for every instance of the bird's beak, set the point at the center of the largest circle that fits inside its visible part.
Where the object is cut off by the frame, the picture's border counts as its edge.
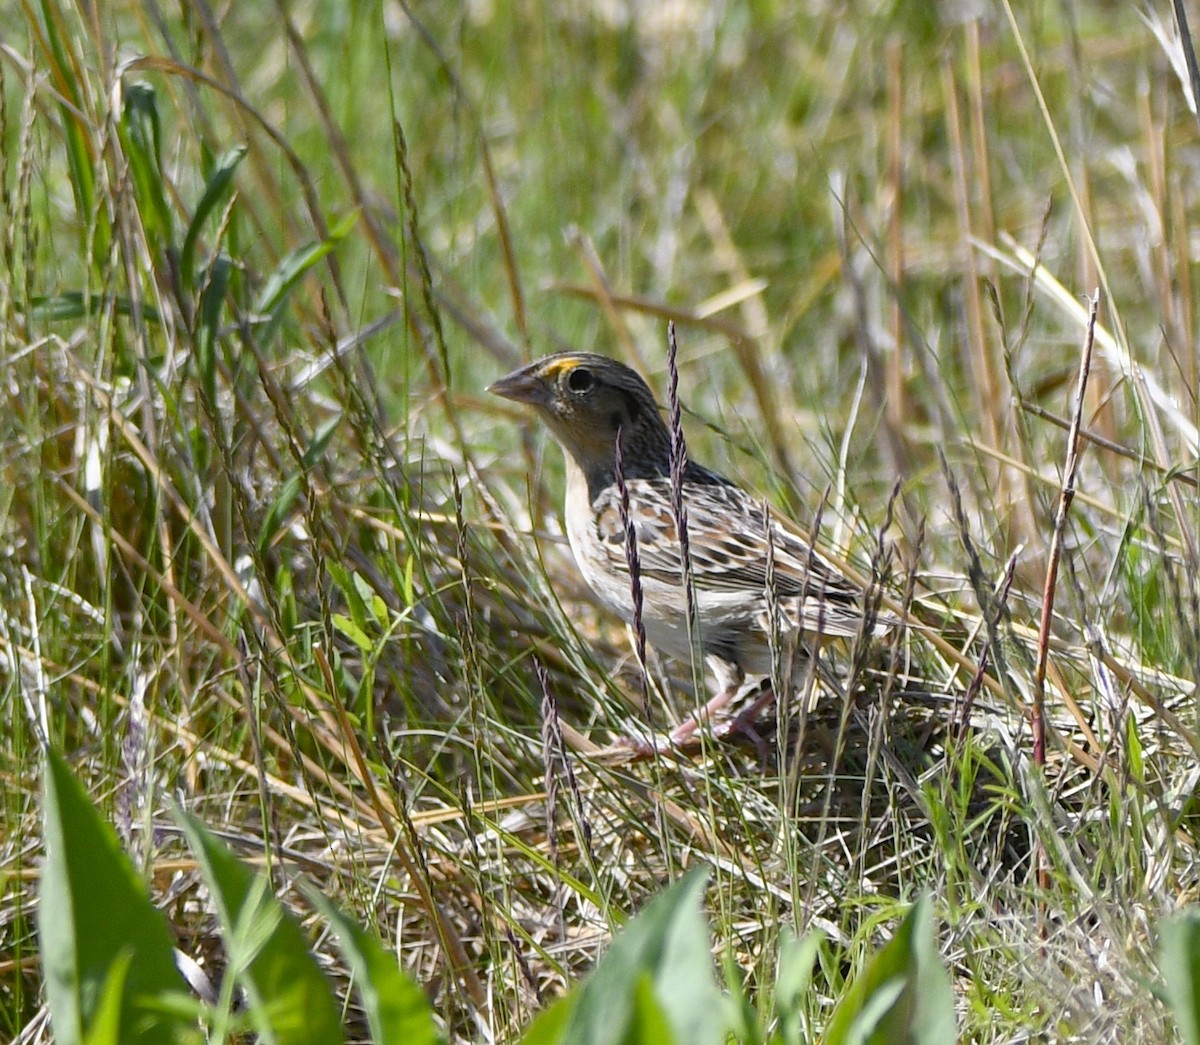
(521, 386)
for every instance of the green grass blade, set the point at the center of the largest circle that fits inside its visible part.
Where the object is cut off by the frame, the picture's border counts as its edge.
(216, 191)
(73, 305)
(290, 271)
(290, 490)
(797, 957)
(212, 302)
(279, 510)
(141, 138)
(106, 1023)
(78, 148)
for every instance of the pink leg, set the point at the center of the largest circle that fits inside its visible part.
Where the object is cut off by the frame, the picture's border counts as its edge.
(684, 733)
(684, 736)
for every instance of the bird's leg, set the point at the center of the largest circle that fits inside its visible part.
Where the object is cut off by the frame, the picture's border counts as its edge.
(685, 733)
(756, 702)
(746, 720)
(729, 678)
(685, 736)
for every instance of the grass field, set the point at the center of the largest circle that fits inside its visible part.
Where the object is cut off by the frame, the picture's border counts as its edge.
(268, 550)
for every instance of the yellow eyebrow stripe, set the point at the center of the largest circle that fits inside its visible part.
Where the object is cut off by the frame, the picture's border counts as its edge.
(557, 366)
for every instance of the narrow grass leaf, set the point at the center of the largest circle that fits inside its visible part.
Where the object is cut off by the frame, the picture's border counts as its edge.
(290, 271)
(320, 441)
(741, 1015)
(903, 995)
(350, 629)
(208, 314)
(216, 191)
(291, 1002)
(279, 510)
(348, 587)
(397, 1009)
(291, 487)
(74, 305)
(141, 137)
(75, 128)
(94, 913)
(1179, 960)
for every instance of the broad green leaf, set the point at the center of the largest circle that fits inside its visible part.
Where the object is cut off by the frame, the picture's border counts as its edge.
(397, 1009)
(290, 1000)
(550, 1025)
(1179, 960)
(903, 996)
(667, 943)
(106, 1022)
(797, 956)
(649, 1025)
(94, 912)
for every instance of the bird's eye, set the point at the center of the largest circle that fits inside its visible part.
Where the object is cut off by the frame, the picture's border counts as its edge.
(580, 379)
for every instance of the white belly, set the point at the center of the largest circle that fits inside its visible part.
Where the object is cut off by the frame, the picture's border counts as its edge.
(664, 612)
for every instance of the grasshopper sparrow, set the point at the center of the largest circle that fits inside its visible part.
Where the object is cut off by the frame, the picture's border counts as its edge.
(590, 403)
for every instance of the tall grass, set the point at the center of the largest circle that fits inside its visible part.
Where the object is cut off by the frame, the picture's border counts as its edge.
(269, 550)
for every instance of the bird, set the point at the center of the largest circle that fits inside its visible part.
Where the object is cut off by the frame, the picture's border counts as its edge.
(753, 575)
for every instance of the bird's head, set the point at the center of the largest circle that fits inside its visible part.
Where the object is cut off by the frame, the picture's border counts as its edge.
(585, 399)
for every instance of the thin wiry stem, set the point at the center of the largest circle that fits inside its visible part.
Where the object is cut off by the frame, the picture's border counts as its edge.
(780, 682)
(993, 629)
(679, 461)
(1066, 496)
(527, 975)
(1189, 53)
(555, 756)
(549, 759)
(635, 572)
(979, 584)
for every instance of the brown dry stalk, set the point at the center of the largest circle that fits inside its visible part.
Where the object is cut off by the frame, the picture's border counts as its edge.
(1066, 496)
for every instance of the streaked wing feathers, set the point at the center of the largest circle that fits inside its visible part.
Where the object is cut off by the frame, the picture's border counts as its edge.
(727, 536)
